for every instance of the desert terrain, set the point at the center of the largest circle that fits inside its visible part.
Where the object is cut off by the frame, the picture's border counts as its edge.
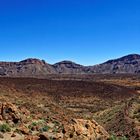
(67, 106)
(68, 101)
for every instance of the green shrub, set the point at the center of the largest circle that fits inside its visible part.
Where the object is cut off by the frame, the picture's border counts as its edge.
(32, 125)
(124, 138)
(113, 137)
(5, 128)
(45, 129)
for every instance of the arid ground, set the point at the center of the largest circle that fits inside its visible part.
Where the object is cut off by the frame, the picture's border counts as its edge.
(58, 107)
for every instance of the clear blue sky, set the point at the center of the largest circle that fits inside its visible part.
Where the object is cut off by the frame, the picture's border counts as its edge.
(84, 31)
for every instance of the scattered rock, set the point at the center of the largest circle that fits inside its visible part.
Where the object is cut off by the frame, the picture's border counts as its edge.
(77, 129)
(10, 112)
(43, 137)
(32, 138)
(1, 135)
(25, 111)
(24, 130)
(1, 118)
(13, 135)
(81, 129)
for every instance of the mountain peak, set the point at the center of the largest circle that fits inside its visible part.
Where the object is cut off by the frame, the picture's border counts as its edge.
(127, 58)
(67, 62)
(33, 61)
(131, 56)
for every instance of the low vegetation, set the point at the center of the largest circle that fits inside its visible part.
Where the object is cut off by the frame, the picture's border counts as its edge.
(47, 107)
(113, 137)
(5, 128)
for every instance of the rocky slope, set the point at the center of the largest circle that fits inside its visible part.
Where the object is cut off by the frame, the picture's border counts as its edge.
(129, 64)
(126, 64)
(26, 68)
(39, 68)
(40, 108)
(29, 111)
(68, 67)
(18, 124)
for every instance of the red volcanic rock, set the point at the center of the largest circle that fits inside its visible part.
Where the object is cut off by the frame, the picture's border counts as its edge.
(85, 130)
(10, 112)
(24, 130)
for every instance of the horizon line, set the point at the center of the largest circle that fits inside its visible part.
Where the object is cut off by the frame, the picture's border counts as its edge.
(40, 59)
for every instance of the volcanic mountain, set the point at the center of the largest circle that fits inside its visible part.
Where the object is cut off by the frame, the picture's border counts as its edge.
(126, 64)
(26, 68)
(39, 68)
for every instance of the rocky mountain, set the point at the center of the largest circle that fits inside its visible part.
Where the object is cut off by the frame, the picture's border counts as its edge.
(26, 68)
(39, 68)
(127, 64)
(69, 67)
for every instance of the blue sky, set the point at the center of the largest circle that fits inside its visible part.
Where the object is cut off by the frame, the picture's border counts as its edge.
(84, 31)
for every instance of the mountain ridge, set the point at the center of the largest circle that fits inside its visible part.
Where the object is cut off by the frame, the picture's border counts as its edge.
(31, 67)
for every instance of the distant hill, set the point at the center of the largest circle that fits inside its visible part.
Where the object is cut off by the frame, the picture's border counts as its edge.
(127, 64)
(26, 68)
(39, 68)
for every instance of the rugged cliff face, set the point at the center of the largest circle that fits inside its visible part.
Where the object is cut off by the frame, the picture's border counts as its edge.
(26, 68)
(39, 68)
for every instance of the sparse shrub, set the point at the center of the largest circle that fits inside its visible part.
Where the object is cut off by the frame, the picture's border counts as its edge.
(113, 137)
(123, 138)
(36, 123)
(51, 138)
(56, 123)
(32, 125)
(18, 131)
(5, 128)
(45, 128)
(55, 130)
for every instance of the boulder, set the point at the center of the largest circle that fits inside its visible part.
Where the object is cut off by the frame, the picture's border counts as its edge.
(9, 112)
(24, 130)
(43, 137)
(81, 129)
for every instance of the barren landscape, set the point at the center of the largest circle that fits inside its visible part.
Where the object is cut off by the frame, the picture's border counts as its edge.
(69, 69)
(60, 109)
(36, 105)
